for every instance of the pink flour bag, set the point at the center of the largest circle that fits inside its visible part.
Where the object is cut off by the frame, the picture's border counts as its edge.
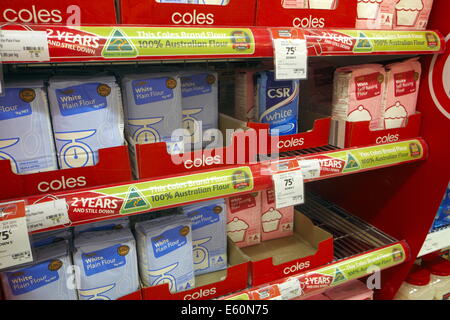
(412, 14)
(358, 94)
(375, 14)
(244, 219)
(402, 88)
(276, 223)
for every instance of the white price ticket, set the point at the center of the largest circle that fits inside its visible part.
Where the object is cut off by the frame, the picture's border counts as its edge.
(15, 245)
(47, 214)
(289, 186)
(291, 54)
(290, 289)
(310, 168)
(24, 45)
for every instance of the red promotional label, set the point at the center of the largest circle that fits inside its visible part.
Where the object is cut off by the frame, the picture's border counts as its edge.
(240, 203)
(405, 83)
(315, 281)
(329, 42)
(270, 195)
(368, 86)
(329, 165)
(84, 206)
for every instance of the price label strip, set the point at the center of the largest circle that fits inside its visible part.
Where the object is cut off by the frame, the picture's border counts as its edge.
(15, 245)
(288, 184)
(290, 52)
(24, 46)
(310, 169)
(47, 214)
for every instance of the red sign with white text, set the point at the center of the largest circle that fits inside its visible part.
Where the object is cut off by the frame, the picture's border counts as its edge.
(67, 12)
(230, 13)
(340, 14)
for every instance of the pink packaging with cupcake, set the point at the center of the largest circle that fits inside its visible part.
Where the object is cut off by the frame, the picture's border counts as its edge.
(412, 14)
(244, 219)
(375, 14)
(358, 94)
(402, 87)
(276, 223)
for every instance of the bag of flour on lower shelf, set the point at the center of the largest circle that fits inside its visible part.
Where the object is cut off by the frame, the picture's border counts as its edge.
(208, 235)
(49, 277)
(165, 252)
(87, 115)
(107, 263)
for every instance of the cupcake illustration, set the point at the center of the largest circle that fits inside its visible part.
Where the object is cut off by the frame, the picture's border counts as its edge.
(236, 229)
(359, 114)
(368, 9)
(408, 11)
(321, 4)
(271, 220)
(395, 116)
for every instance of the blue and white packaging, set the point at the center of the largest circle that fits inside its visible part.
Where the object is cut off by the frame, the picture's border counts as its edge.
(26, 137)
(49, 237)
(153, 109)
(209, 240)
(107, 263)
(87, 115)
(200, 105)
(277, 103)
(114, 224)
(442, 218)
(49, 277)
(165, 252)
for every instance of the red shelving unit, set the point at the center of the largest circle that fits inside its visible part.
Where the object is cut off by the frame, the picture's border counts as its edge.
(398, 203)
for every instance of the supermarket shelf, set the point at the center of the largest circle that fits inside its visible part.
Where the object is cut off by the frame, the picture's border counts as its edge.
(111, 201)
(358, 247)
(119, 43)
(436, 240)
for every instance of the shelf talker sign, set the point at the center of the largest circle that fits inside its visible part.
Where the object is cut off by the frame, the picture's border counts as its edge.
(143, 196)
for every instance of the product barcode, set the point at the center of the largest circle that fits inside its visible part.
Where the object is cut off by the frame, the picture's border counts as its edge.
(20, 255)
(33, 48)
(55, 216)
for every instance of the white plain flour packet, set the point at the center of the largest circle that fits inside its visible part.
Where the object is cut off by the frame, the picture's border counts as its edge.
(153, 109)
(87, 115)
(25, 128)
(200, 106)
(209, 237)
(107, 263)
(49, 277)
(165, 252)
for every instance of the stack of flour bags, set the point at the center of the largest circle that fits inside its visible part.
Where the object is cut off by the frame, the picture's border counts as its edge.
(97, 262)
(86, 115)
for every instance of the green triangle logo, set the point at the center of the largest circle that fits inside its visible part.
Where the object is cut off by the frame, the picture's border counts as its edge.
(339, 276)
(134, 202)
(118, 45)
(363, 44)
(352, 163)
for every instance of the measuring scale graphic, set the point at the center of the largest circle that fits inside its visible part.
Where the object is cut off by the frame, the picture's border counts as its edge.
(95, 293)
(201, 254)
(5, 143)
(191, 124)
(162, 277)
(76, 153)
(145, 134)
